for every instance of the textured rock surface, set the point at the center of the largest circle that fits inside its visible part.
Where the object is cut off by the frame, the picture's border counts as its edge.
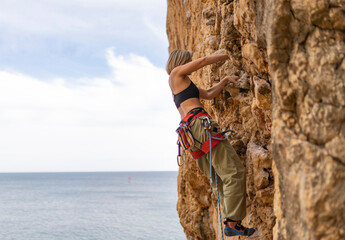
(291, 52)
(308, 67)
(204, 27)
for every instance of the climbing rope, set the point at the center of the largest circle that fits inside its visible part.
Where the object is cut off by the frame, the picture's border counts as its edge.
(207, 125)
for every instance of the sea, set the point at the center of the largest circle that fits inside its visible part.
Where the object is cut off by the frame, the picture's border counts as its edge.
(89, 206)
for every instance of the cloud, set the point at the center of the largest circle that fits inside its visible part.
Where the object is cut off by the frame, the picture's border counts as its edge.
(125, 121)
(44, 38)
(75, 18)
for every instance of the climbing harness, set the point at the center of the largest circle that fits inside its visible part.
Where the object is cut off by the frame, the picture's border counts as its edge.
(210, 143)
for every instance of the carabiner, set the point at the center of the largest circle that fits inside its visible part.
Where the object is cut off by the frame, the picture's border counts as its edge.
(206, 123)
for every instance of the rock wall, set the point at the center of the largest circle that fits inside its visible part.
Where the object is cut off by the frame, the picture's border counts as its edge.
(291, 52)
(204, 27)
(307, 65)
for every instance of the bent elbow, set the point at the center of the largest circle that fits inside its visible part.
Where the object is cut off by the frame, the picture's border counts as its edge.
(209, 95)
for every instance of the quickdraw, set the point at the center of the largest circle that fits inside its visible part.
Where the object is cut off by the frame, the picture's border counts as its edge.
(179, 155)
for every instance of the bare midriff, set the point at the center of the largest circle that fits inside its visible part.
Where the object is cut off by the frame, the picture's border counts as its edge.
(188, 105)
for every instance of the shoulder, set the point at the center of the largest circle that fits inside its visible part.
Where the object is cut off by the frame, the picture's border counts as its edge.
(176, 76)
(178, 82)
(176, 72)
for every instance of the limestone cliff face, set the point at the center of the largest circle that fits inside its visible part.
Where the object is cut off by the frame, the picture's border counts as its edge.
(307, 66)
(291, 52)
(204, 27)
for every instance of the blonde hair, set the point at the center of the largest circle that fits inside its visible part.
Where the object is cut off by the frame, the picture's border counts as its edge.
(177, 58)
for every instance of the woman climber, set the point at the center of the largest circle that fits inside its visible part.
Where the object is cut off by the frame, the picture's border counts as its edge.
(225, 162)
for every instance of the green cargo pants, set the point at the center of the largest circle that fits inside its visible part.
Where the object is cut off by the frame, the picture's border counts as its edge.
(230, 171)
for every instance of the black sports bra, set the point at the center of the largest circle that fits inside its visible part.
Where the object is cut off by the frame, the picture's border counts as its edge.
(190, 92)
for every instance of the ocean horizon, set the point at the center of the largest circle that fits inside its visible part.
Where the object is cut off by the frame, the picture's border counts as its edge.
(89, 206)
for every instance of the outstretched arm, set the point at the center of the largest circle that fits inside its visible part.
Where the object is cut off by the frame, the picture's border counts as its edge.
(192, 66)
(216, 89)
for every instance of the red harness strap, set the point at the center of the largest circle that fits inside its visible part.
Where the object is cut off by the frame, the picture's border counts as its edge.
(205, 148)
(186, 118)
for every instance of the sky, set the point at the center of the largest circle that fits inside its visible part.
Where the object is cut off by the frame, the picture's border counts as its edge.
(83, 87)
